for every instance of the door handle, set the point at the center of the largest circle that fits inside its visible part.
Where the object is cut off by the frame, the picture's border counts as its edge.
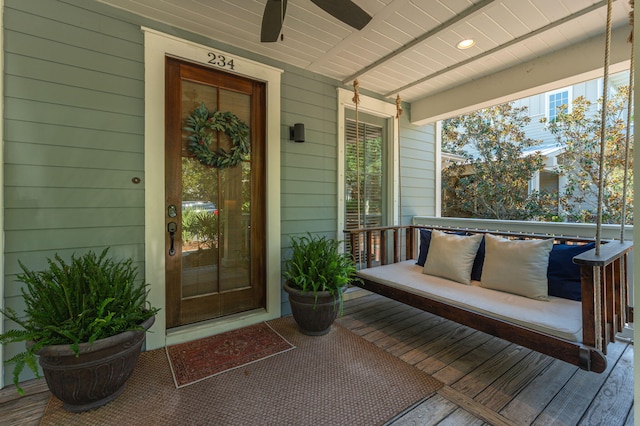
(172, 227)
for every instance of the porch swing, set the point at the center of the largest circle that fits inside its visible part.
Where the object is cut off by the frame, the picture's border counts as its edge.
(601, 313)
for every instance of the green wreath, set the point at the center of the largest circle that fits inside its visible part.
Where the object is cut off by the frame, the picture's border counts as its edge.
(202, 122)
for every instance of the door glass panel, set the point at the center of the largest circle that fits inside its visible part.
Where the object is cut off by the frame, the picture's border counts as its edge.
(215, 205)
(200, 237)
(235, 214)
(199, 204)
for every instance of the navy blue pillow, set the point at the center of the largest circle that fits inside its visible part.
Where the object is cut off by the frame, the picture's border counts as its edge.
(425, 241)
(562, 273)
(476, 270)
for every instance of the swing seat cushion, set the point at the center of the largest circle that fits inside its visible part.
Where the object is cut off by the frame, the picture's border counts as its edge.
(558, 317)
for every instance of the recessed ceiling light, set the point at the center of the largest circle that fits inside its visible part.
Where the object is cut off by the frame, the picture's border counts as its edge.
(465, 44)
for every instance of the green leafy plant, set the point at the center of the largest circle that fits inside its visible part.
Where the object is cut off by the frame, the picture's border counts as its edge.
(317, 265)
(90, 298)
(491, 179)
(578, 131)
(202, 123)
(201, 227)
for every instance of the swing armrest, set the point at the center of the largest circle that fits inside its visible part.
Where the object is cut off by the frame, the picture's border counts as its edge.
(604, 286)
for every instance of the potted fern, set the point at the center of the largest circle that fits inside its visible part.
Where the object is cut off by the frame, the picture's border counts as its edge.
(86, 321)
(316, 275)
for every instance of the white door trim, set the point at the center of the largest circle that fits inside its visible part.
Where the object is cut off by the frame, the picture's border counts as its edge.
(157, 46)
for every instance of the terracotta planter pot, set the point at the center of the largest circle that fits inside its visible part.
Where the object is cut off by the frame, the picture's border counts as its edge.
(98, 375)
(313, 316)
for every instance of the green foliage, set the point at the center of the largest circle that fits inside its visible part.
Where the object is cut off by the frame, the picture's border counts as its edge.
(91, 298)
(199, 182)
(492, 179)
(316, 265)
(200, 226)
(202, 122)
(579, 132)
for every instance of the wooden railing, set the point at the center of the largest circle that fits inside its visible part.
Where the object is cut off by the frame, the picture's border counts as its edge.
(369, 245)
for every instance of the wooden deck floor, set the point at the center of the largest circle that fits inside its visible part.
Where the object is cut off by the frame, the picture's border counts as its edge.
(487, 380)
(491, 381)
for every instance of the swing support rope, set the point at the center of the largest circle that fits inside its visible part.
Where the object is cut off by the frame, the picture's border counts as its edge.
(356, 101)
(398, 115)
(603, 126)
(603, 138)
(627, 140)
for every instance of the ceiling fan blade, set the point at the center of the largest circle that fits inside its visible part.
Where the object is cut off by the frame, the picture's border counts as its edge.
(272, 20)
(346, 11)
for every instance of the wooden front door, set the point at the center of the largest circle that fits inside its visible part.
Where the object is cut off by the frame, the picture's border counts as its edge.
(215, 216)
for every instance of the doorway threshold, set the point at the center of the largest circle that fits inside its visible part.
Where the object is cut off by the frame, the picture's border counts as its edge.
(186, 333)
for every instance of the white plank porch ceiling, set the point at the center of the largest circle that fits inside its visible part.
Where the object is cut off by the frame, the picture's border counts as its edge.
(408, 48)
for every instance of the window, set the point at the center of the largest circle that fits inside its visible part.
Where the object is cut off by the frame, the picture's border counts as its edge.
(364, 175)
(557, 100)
(378, 176)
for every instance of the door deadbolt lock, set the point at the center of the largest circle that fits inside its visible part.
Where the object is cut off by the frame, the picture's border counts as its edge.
(172, 211)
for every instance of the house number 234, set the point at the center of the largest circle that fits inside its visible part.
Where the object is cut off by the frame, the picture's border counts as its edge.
(220, 61)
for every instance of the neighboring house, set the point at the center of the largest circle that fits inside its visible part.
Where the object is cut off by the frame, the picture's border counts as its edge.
(545, 105)
(548, 179)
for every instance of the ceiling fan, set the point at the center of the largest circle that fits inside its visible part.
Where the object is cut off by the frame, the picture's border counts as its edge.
(345, 10)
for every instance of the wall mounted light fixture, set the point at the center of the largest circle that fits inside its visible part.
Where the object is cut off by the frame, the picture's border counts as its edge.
(296, 133)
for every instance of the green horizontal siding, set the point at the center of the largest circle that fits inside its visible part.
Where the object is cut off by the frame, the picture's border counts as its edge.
(59, 135)
(38, 198)
(77, 14)
(74, 137)
(308, 170)
(57, 51)
(73, 218)
(73, 116)
(306, 200)
(79, 97)
(312, 213)
(68, 75)
(61, 164)
(417, 168)
(58, 238)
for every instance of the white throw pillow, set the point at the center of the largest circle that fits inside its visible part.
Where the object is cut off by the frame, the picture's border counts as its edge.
(517, 266)
(451, 256)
